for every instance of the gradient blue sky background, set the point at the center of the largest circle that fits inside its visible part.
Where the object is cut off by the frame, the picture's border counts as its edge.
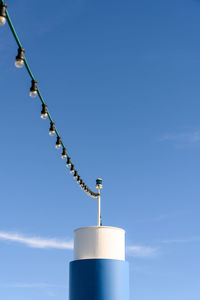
(121, 79)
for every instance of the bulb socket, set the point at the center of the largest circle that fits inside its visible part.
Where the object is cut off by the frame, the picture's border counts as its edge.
(3, 7)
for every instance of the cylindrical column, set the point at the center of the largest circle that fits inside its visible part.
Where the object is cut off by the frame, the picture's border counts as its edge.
(99, 270)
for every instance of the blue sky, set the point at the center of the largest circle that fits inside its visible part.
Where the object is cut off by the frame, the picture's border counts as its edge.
(121, 80)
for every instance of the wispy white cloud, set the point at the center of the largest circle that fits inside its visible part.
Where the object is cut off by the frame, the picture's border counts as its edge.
(36, 242)
(142, 251)
(182, 240)
(39, 242)
(188, 137)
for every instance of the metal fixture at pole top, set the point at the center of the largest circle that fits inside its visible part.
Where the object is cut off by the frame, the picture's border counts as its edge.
(99, 186)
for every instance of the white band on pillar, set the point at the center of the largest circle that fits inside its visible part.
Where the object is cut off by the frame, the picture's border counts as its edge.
(99, 242)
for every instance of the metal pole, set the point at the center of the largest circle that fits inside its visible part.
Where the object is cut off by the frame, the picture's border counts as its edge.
(99, 209)
(99, 187)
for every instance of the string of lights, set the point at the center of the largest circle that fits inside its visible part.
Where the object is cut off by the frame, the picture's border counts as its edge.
(21, 61)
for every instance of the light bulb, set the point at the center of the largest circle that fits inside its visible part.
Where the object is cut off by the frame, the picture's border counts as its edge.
(33, 94)
(68, 164)
(3, 13)
(33, 89)
(72, 169)
(78, 179)
(44, 113)
(81, 184)
(58, 143)
(44, 116)
(2, 21)
(52, 129)
(75, 174)
(64, 153)
(19, 61)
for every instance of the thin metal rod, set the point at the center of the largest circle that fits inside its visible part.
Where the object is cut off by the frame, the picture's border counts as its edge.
(99, 209)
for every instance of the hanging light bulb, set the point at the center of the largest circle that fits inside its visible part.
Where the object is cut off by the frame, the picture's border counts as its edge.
(19, 61)
(33, 89)
(78, 179)
(75, 174)
(58, 142)
(52, 129)
(44, 113)
(72, 169)
(64, 153)
(3, 7)
(68, 164)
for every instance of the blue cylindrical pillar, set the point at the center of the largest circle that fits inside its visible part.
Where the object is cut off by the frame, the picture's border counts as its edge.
(99, 270)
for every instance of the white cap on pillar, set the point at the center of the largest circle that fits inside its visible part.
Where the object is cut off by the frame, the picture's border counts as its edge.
(97, 242)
